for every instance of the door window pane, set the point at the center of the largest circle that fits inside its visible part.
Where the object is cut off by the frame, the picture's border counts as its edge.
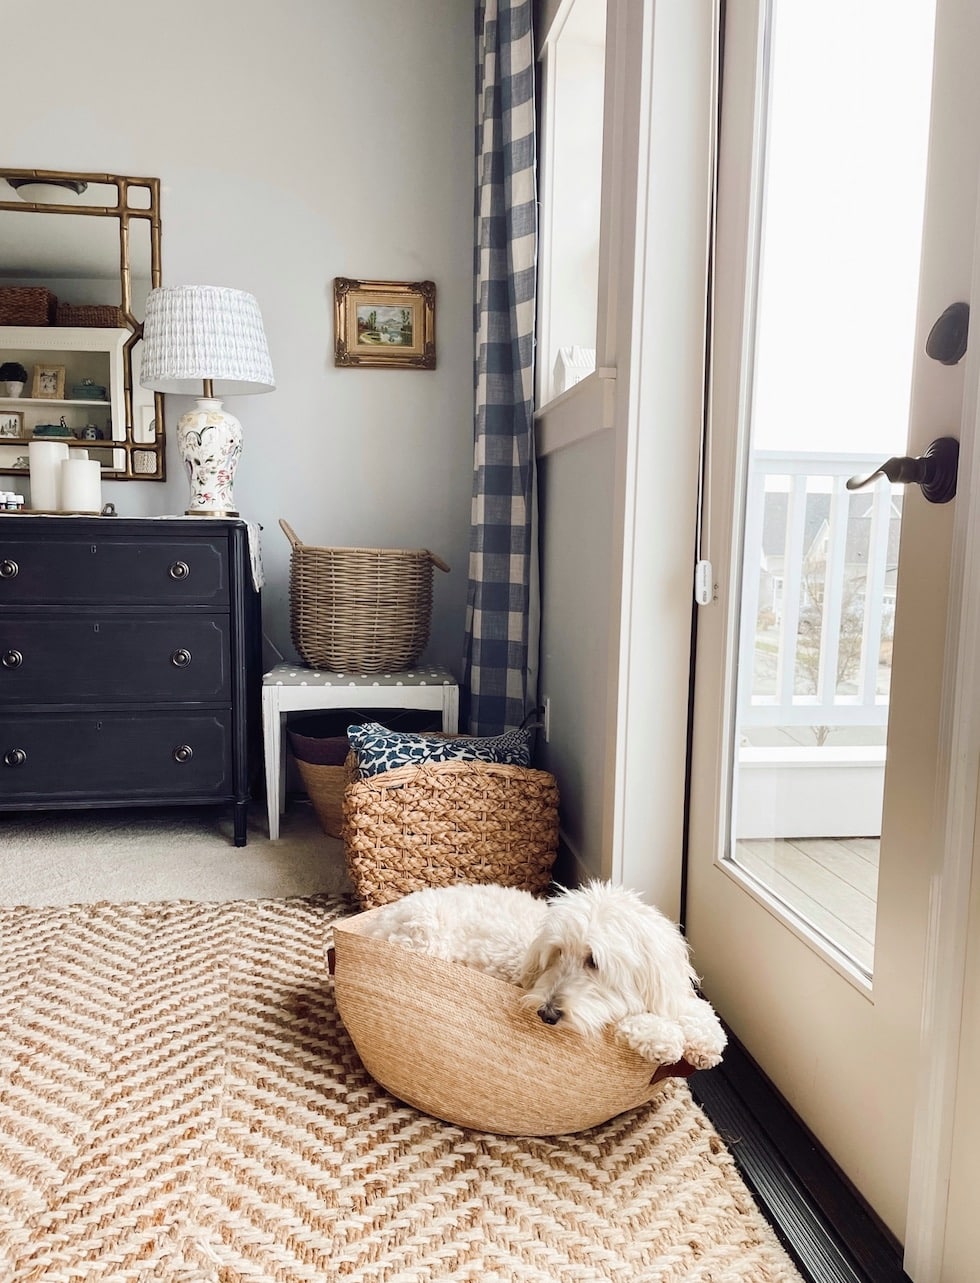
(845, 149)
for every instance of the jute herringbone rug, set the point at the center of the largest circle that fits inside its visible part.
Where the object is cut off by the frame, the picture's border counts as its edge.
(179, 1102)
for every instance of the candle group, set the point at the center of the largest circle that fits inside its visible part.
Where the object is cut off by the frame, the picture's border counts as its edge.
(63, 481)
(81, 485)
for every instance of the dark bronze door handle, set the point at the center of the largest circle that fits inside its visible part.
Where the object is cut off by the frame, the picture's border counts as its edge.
(934, 471)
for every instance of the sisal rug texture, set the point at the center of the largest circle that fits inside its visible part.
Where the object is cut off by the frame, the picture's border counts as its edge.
(179, 1103)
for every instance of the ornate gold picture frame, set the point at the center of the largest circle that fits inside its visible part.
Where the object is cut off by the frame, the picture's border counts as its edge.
(382, 323)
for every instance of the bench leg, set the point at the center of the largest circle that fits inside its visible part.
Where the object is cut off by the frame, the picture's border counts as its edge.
(272, 736)
(450, 709)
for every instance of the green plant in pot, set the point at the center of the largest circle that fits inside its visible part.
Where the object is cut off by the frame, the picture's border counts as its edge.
(14, 375)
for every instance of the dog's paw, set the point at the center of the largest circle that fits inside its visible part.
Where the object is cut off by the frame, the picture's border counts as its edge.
(655, 1038)
(704, 1037)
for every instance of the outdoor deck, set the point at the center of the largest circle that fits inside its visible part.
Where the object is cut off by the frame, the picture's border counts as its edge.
(832, 883)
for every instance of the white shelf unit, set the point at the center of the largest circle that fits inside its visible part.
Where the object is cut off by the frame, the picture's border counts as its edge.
(86, 353)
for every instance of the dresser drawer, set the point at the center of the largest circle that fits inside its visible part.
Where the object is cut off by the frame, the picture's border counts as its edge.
(92, 658)
(113, 568)
(117, 755)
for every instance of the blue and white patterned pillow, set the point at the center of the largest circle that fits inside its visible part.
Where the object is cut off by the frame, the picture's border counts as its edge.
(377, 749)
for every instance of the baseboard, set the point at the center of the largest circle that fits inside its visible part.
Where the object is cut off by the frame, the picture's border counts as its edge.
(828, 1229)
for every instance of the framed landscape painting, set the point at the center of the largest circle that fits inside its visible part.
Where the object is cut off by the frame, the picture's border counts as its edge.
(382, 323)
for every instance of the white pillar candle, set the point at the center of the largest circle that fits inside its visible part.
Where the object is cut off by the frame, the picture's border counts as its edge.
(44, 460)
(81, 485)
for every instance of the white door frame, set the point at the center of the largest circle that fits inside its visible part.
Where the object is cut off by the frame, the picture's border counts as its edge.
(957, 782)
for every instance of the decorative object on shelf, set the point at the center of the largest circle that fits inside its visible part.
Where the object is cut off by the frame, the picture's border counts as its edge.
(572, 365)
(49, 382)
(11, 423)
(46, 458)
(81, 485)
(91, 432)
(99, 316)
(13, 374)
(385, 323)
(53, 429)
(27, 305)
(206, 336)
(88, 390)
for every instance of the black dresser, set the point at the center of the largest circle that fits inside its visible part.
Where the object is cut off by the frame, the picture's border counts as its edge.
(130, 663)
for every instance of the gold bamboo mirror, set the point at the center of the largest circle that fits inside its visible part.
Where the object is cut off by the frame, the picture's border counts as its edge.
(78, 255)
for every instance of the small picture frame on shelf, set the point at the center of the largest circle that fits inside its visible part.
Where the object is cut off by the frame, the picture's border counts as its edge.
(383, 323)
(49, 381)
(11, 423)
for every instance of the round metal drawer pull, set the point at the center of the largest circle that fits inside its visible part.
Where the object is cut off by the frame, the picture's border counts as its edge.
(183, 753)
(179, 570)
(12, 659)
(180, 658)
(8, 569)
(14, 757)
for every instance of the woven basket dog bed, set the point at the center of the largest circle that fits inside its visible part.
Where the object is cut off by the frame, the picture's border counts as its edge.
(446, 822)
(457, 1044)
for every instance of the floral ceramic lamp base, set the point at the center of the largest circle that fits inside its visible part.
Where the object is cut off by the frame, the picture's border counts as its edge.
(209, 440)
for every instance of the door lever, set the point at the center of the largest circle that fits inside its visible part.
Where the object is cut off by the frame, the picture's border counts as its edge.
(934, 471)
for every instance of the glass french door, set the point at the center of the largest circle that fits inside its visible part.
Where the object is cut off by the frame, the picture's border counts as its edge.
(848, 167)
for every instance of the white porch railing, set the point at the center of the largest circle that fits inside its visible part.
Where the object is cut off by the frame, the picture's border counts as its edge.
(855, 593)
(813, 661)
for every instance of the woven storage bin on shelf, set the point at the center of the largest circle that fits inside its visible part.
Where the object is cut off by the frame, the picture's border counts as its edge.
(446, 822)
(27, 305)
(360, 609)
(100, 316)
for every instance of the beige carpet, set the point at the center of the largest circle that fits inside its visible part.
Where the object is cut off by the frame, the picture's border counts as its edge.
(163, 853)
(178, 1102)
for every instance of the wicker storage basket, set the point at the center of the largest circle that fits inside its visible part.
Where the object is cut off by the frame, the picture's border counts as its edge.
(458, 1044)
(446, 822)
(96, 315)
(27, 305)
(320, 761)
(360, 609)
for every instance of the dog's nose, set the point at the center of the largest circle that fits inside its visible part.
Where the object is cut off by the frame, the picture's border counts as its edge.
(549, 1014)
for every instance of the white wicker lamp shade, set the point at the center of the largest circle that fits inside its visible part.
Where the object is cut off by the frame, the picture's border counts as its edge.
(206, 338)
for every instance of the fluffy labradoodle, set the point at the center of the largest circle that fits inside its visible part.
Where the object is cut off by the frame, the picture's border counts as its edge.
(592, 957)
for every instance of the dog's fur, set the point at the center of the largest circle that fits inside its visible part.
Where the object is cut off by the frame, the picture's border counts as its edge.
(593, 958)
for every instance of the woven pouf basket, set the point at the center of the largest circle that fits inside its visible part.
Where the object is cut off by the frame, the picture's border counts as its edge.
(365, 610)
(446, 822)
(457, 1044)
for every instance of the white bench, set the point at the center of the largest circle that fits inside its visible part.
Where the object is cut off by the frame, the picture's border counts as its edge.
(290, 688)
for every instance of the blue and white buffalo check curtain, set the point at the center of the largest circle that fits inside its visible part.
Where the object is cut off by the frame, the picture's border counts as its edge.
(501, 612)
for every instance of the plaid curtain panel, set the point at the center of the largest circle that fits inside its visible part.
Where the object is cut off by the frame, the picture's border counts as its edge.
(499, 596)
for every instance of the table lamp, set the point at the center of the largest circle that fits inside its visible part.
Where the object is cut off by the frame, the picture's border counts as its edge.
(206, 341)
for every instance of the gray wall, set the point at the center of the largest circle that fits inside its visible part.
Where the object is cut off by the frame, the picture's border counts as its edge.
(294, 143)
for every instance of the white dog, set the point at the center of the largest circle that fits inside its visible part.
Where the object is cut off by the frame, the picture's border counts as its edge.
(593, 957)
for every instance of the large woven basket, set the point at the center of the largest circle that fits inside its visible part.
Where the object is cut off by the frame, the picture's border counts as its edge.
(27, 305)
(94, 315)
(447, 822)
(362, 610)
(459, 1045)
